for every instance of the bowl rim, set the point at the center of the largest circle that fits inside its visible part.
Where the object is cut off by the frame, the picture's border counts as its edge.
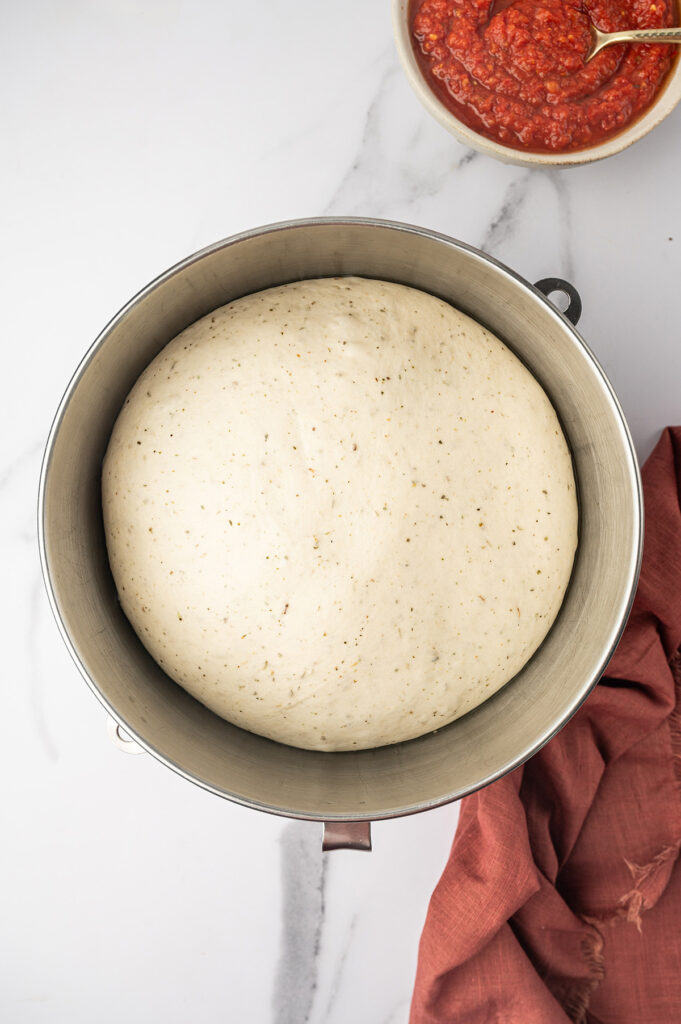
(663, 104)
(634, 556)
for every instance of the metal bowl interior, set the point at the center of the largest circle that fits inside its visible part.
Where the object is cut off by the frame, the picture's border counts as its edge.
(388, 781)
(662, 105)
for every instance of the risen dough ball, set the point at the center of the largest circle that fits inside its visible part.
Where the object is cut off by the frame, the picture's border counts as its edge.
(339, 513)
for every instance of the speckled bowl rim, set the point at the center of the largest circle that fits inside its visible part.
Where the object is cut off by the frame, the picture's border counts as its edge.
(666, 100)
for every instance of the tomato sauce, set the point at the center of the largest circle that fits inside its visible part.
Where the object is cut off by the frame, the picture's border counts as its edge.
(516, 71)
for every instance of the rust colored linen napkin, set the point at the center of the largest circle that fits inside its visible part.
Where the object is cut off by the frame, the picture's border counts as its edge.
(561, 899)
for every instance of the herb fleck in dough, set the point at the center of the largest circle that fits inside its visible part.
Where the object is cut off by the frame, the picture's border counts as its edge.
(339, 513)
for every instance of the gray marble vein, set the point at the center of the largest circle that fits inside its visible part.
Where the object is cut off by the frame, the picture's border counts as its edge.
(347, 189)
(34, 680)
(387, 168)
(469, 156)
(340, 967)
(303, 877)
(18, 463)
(564, 221)
(505, 219)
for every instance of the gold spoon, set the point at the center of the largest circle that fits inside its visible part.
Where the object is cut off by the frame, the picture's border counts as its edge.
(601, 39)
(638, 35)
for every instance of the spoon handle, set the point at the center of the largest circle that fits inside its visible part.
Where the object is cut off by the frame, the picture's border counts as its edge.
(646, 35)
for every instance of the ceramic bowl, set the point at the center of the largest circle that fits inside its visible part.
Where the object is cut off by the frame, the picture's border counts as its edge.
(664, 103)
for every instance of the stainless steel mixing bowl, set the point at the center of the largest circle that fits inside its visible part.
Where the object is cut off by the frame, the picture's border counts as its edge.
(389, 781)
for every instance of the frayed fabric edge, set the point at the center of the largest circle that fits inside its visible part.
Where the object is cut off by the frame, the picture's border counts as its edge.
(633, 903)
(575, 998)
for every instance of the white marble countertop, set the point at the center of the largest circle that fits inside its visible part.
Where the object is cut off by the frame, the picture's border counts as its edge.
(135, 132)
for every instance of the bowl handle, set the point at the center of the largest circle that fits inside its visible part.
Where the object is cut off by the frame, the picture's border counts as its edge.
(347, 835)
(548, 285)
(120, 739)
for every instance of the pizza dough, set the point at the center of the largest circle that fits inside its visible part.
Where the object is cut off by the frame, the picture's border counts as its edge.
(339, 513)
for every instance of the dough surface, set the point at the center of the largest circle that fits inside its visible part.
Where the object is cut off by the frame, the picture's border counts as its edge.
(340, 513)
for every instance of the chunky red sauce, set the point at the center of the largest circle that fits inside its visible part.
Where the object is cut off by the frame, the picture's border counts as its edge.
(516, 71)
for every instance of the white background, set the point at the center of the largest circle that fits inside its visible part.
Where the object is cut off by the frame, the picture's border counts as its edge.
(133, 133)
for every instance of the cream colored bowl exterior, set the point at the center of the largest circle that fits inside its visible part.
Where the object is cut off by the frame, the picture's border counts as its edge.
(663, 105)
(388, 781)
